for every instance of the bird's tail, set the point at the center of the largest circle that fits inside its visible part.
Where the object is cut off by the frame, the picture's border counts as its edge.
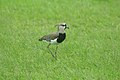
(40, 39)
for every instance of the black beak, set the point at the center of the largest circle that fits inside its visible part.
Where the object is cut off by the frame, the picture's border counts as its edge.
(66, 27)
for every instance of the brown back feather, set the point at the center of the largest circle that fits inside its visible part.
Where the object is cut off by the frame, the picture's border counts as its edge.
(49, 37)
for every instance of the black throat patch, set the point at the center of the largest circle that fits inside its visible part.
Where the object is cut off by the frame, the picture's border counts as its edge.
(61, 37)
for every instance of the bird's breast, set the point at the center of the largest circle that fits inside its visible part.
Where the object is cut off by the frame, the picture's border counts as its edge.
(61, 37)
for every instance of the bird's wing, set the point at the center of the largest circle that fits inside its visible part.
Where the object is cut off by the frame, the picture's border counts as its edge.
(50, 37)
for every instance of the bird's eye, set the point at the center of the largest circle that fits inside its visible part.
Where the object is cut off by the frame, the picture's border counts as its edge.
(63, 25)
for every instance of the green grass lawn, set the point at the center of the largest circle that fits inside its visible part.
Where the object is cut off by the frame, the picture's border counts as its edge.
(91, 50)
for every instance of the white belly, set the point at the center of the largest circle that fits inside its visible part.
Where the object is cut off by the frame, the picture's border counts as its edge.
(52, 41)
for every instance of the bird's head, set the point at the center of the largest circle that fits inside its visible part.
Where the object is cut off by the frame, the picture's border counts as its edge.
(62, 26)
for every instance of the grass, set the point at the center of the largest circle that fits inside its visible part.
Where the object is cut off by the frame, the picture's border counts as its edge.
(91, 50)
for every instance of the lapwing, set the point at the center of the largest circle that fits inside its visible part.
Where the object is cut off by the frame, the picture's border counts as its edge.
(55, 38)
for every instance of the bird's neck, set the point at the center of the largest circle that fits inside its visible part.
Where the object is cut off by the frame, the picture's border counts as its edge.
(61, 31)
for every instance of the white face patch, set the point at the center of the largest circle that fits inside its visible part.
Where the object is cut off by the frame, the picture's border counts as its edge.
(64, 27)
(61, 27)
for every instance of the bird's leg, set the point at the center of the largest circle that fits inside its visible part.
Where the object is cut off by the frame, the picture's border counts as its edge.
(50, 50)
(56, 52)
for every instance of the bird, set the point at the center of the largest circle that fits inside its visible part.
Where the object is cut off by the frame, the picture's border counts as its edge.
(55, 38)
